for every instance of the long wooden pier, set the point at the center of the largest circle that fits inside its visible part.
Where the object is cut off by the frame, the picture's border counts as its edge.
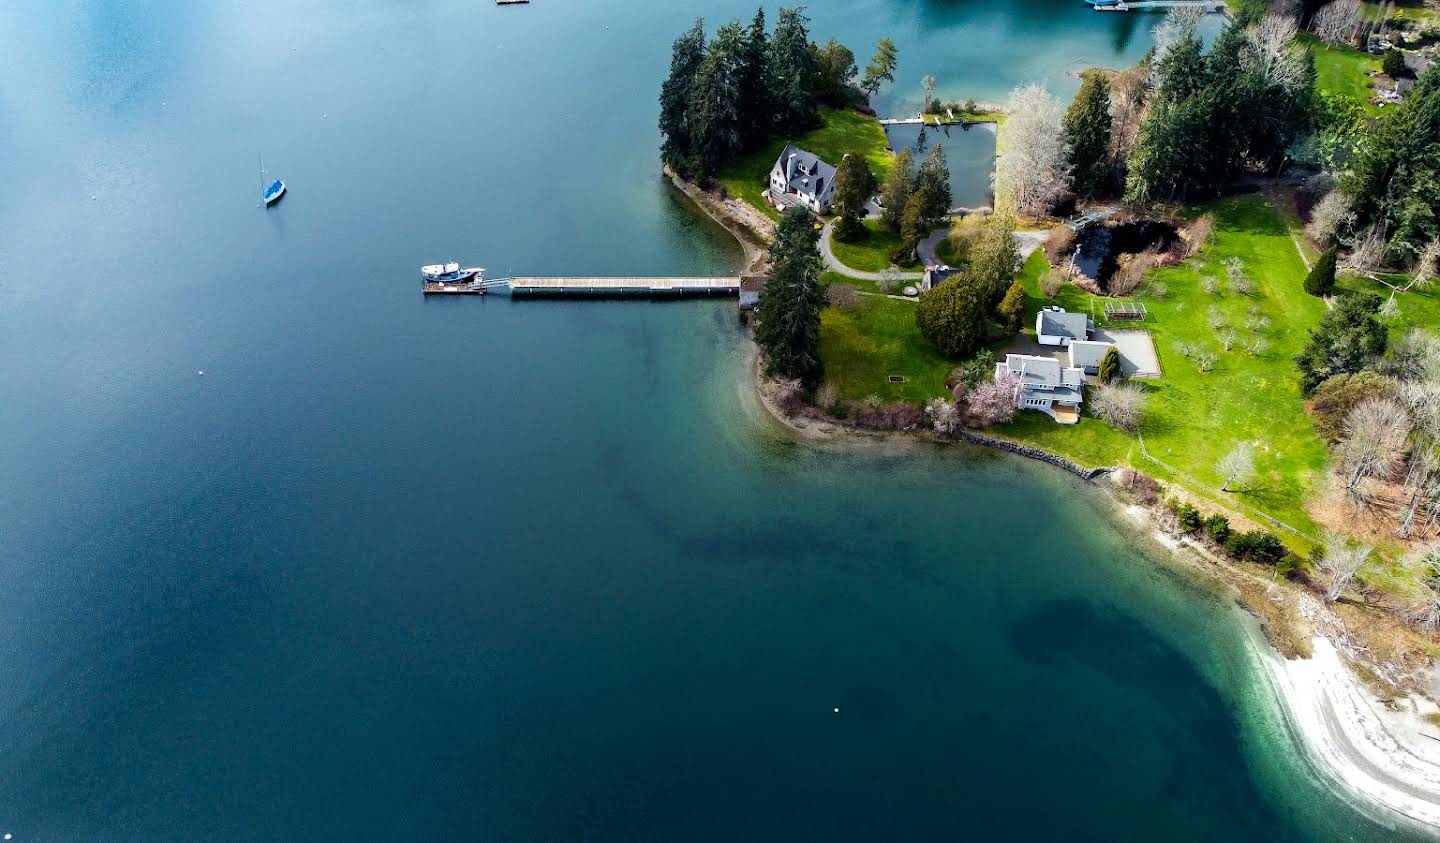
(625, 287)
(1144, 5)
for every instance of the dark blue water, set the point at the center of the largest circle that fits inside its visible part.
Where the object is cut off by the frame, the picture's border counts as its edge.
(483, 569)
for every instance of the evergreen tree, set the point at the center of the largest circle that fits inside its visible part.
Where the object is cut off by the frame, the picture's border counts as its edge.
(934, 178)
(954, 317)
(1181, 71)
(685, 59)
(715, 106)
(1321, 280)
(1349, 334)
(789, 309)
(1087, 133)
(753, 82)
(994, 258)
(1395, 177)
(897, 192)
(916, 221)
(1012, 308)
(792, 72)
(1110, 365)
(834, 72)
(881, 68)
(854, 184)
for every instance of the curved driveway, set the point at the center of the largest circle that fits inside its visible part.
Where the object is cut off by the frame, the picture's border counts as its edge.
(1025, 241)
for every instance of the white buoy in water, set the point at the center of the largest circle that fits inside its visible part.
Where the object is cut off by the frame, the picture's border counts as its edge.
(837, 711)
(201, 373)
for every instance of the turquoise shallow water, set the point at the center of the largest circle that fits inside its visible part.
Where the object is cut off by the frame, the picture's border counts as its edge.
(488, 569)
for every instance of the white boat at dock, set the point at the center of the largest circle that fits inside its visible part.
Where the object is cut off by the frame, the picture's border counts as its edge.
(450, 273)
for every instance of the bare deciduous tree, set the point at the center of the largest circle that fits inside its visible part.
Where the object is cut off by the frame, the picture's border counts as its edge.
(1128, 90)
(1337, 22)
(1179, 23)
(1342, 561)
(1258, 346)
(1237, 468)
(1377, 432)
(944, 415)
(1205, 361)
(928, 83)
(1422, 277)
(1332, 220)
(1368, 252)
(1121, 405)
(1239, 279)
(1034, 169)
(1275, 56)
(1424, 568)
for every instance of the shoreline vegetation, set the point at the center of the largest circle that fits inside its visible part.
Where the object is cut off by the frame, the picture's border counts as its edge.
(1241, 286)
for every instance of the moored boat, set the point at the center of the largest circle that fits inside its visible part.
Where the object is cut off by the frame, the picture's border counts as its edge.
(450, 273)
(274, 192)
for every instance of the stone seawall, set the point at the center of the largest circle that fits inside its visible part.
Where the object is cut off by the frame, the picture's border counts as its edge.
(1033, 453)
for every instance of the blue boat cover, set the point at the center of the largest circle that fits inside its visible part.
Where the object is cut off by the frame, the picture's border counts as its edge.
(274, 188)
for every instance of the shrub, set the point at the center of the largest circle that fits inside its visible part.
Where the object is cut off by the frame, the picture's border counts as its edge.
(1120, 405)
(1337, 396)
(1392, 63)
(1059, 244)
(1321, 279)
(1012, 308)
(1051, 283)
(954, 317)
(872, 415)
(1255, 546)
(1188, 517)
(1110, 364)
(972, 372)
(1217, 529)
(1198, 233)
(843, 296)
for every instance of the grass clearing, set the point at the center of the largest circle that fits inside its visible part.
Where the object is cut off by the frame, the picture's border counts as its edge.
(869, 254)
(864, 345)
(1343, 70)
(1195, 418)
(839, 132)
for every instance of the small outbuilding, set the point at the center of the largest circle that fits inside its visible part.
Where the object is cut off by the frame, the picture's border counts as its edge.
(1056, 326)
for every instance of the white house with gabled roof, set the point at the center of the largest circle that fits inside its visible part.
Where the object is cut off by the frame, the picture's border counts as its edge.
(800, 177)
(1043, 384)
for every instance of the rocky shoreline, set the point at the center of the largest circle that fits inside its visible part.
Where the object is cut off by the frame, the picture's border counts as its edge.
(751, 229)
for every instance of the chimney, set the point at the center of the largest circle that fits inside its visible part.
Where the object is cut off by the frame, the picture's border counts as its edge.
(790, 167)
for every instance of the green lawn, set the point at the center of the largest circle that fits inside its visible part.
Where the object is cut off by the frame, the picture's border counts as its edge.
(1195, 418)
(1343, 70)
(863, 345)
(840, 132)
(870, 254)
(1417, 307)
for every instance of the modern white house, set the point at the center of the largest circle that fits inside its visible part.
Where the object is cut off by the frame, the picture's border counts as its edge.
(801, 178)
(1045, 385)
(1055, 326)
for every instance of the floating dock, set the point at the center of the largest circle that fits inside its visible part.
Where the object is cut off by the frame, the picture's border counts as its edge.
(625, 287)
(1149, 5)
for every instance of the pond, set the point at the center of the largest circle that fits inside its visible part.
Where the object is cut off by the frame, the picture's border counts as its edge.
(969, 149)
(1099, 247)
